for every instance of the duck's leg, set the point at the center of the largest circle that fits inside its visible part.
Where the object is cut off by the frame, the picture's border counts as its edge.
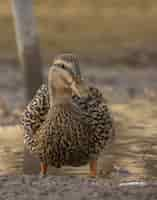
(93, 168)
(43, 169)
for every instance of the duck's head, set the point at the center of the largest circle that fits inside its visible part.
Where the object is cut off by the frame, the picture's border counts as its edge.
(65, 77)
(69, 60)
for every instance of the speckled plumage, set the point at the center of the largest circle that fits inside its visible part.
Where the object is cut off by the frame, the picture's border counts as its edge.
(99, 116)
(91, 119)
(62, 139)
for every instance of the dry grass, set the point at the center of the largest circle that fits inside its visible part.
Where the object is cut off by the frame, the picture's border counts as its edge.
(90, 27)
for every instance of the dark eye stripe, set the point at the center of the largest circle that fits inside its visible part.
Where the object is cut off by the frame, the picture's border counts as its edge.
(65, 68)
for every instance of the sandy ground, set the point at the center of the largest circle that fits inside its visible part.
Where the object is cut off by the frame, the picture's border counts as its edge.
(65, 188)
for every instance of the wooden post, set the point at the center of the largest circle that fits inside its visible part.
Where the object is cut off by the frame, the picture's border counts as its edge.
(28, 45)
(29, 55)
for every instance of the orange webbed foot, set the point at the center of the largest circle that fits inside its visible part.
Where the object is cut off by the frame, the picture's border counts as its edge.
(43, 169)
(93, 168)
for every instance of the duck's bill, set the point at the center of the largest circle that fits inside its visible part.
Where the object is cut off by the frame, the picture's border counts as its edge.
(79, 88)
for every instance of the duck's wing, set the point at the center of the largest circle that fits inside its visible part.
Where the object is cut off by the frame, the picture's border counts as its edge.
(35, 112)
(98, 116)
(103, 122)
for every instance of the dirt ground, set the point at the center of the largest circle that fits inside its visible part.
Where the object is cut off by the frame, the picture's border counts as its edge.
(65, 188)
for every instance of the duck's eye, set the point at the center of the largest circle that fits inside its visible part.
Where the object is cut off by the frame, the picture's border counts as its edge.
(62, 66)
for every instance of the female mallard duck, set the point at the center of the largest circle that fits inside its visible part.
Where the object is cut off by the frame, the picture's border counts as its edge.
(93, 104)
(63, 138)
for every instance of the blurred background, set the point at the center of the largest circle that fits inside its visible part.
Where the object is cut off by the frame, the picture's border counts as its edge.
(116, 41)
(106, 30)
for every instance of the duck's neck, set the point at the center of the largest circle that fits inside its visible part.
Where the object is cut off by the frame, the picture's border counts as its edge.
(60, 96)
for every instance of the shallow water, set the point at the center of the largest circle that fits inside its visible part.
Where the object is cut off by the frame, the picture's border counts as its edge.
(134, 153)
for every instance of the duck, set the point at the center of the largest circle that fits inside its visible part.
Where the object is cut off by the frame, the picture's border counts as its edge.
(93, 115)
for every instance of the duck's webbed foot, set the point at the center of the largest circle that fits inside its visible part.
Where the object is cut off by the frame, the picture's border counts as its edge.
(43, 169)
(93, 168)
